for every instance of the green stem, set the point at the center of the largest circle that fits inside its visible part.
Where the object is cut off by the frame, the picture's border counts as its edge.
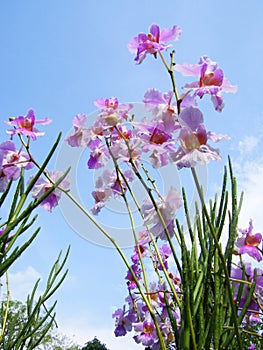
(161, 218)
(170, 70)
(221, 256)
(35, 178)
(119, 172)
(119, 250)
(149, 191)
(7, 307)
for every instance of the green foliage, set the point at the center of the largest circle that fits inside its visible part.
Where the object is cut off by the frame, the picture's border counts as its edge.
(95, 344)
(28, 326)
(19, 219)
(209, 313)
(17, 318)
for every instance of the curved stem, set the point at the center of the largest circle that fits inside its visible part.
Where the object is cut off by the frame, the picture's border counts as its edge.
(149, 191)
(163, 223)
(122, 255)
(170, 70)
(119, 172)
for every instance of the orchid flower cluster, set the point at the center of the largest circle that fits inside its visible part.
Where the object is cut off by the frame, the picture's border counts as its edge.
(26, 184)
(13, 160)
(160, 311)
(185, 289)
(19, 168)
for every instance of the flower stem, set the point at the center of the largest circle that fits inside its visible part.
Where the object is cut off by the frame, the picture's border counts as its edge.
(170, 70)
(122, 255)
(7, 307)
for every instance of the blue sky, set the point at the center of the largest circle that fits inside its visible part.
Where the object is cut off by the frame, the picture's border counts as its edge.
(59, 56)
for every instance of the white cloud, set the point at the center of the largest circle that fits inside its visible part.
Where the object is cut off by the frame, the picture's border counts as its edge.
(248, 144)
(81, 329)
(250, 180)
(22, 282)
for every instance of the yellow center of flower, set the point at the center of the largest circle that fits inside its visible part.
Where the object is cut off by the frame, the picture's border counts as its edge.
(26, 124)
(148, 328)
(190, 141)
(251, 241)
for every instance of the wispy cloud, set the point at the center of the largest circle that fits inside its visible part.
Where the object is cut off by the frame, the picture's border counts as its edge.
(82, 329)
(248, 144)
(80, 326)
(22, 282)
(250, 176)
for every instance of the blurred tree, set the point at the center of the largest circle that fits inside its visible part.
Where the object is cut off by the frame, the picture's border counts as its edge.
(43, 336)
(95, 344)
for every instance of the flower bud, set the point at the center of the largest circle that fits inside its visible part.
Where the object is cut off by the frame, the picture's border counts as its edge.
(112, 119)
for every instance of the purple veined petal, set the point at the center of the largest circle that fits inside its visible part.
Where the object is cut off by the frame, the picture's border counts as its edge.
(155, 31)
(50, 202)
(250, 227)
(3, 181)
(136, 42)
(227, 87)
(43, 121)
(153, 96)
(141, 55)
(193, 85)
(209, 90)
(42, 185)
(216, 137)
(93, 163)
(76, 140)
(16, 121)
(207, 62)
(151, 47)
(79, 120)
(258, 237)
(33, 134)
(31, 115)
(240, 242)
(189, 101)
(159, 158)
(218, 77)
(191, 117)
(218, 102)
(142, 37)
(172, 34)
(12, 172)
(251, 251)
(133, 45)
(173, 200)
(100, 102)
(247, 231)
(202, 156)
(97, 208)
(129, 175)
(188, 69)
(165, 250)
(7, 146)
